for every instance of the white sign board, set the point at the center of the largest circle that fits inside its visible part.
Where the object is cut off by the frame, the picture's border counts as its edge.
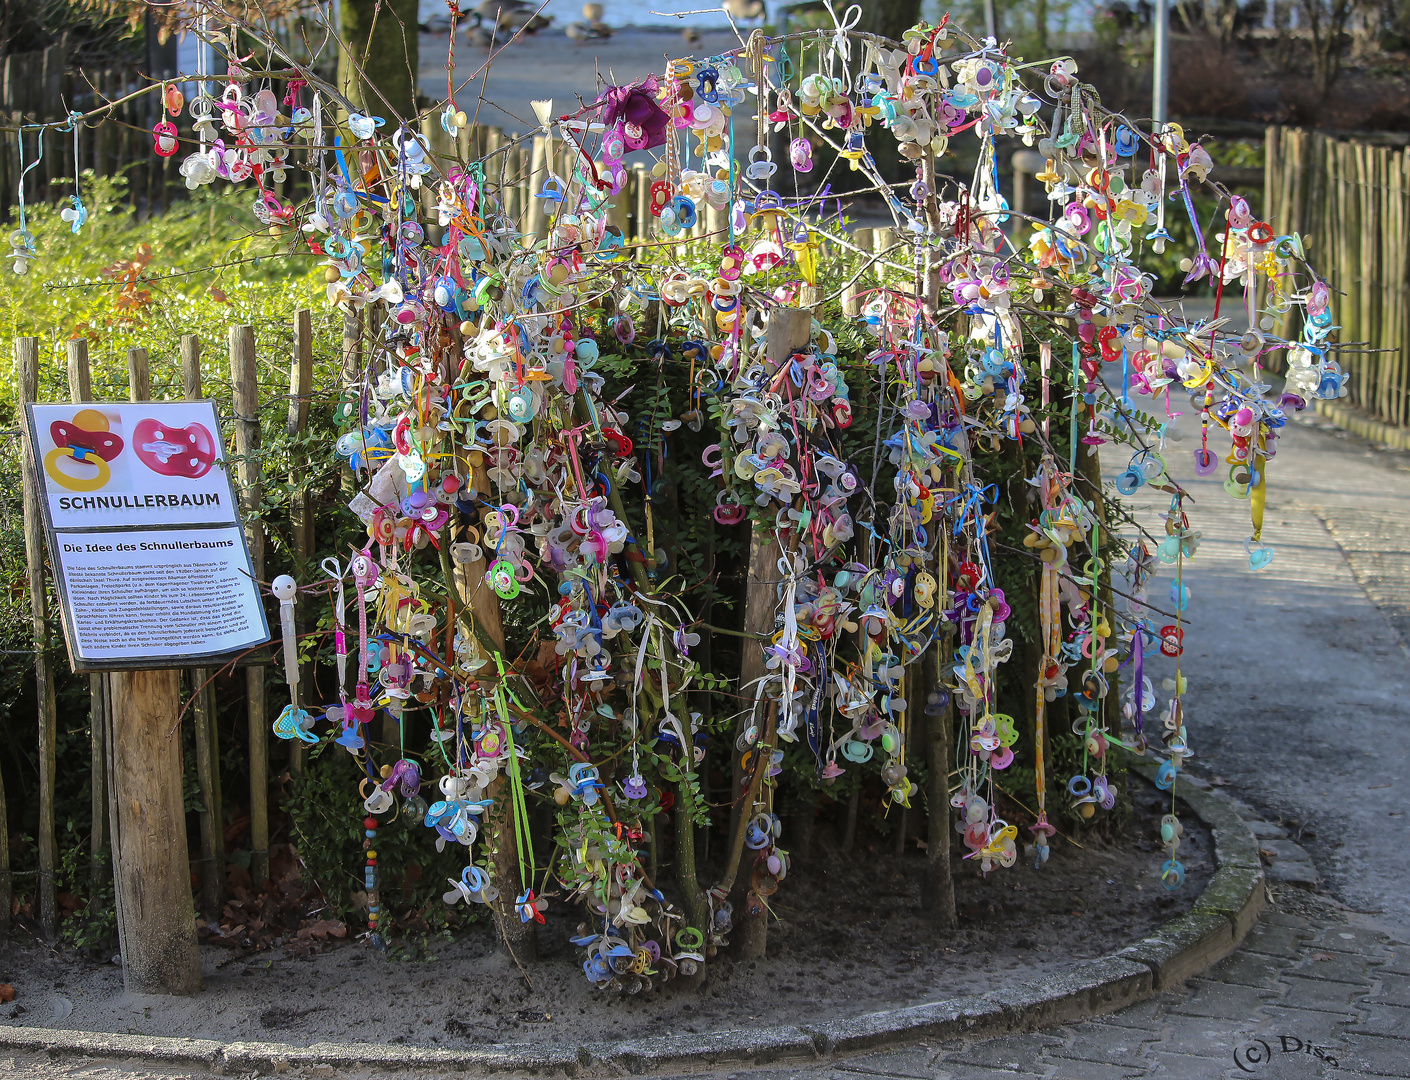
(144, 534)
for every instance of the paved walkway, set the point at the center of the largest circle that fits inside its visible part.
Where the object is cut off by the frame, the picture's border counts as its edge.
(1298, 703)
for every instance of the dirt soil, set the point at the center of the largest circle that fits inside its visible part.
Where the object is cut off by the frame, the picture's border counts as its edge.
(850, 939)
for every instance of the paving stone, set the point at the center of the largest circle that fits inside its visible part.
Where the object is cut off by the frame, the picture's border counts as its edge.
(907, 1062)
(1189, 1067)
(1306, 1023)
(1250, 1060)
(1202, 1037)
(1113, 1046)
(1305, 992)
(1345, 967)
(1281, 850)
(1022, 1053)
(1092, 1070)
(1228, 1001)
(1399, 960)
(1145, 1015)
(1247, 969)
(1266, 830)
(798, 1072)
(1390, 987)
(1294, 872)
(1382, 1019)
(1354, 939)
(1374, 1054)
(951, 1070)
(1275, 917)
(1272, 939)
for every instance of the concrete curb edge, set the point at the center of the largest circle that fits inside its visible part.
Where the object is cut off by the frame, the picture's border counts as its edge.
(1358, 423)
(1214, 927)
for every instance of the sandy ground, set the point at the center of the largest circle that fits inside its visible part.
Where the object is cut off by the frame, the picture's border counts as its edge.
(851, 939)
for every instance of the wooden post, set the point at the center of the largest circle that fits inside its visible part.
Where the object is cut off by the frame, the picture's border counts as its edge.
(245, 387)
(789, 329)
(6, 889)
(882, 240)
(151, 869)
(938, 893)
(207, 731)
(938, 896)
(139, 375)
(151, 866)
(520, 938)
(80, 390)
(351, 376)
(640, 187)
(27, 368)
(301, 500)
(851, 302)
(494, 169)
(538, 173)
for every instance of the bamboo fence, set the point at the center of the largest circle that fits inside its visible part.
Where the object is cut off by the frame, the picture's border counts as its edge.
(1351, 203)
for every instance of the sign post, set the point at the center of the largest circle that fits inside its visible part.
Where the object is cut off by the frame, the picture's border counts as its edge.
(144, 528)
(152, 574)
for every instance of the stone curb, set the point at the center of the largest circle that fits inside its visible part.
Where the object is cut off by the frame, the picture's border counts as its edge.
(1222, 915)
(1358, 423)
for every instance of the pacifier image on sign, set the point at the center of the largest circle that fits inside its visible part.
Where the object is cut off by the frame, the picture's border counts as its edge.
(82, 449)
(189, 451)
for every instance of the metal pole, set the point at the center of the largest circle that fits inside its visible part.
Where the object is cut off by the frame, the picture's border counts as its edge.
(991, 20)
(1160, 78)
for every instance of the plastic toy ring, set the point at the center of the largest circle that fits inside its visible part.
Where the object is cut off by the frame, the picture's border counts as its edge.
(77, 483)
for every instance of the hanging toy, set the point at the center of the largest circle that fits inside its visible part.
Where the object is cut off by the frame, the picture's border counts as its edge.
(22, 240)
(293, 722)
(164, 140)
(76, 214)
(334, 569)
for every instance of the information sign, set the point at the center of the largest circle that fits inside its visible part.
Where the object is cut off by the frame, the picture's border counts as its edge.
(144, 535)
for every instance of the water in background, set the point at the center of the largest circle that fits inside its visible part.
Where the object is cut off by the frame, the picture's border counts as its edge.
(615, 12)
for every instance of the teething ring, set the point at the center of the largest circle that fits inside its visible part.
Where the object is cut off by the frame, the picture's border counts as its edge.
(76, 483)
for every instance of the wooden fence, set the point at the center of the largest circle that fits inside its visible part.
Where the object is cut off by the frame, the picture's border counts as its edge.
(1351, 203)
(145, 853)
(41, 87)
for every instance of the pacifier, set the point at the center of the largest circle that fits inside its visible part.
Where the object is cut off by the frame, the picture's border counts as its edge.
(364, 127)
(379, 802)
(800, 154)
(1259, 554)
(761, 163)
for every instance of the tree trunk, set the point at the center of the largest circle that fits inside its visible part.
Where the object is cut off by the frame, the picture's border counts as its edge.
(938, 896)
(789, 329)
(380, 74)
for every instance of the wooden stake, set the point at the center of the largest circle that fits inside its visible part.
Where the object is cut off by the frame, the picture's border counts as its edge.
(520, 938)
(789, 329)
(207, 731)
(938, 896)
(151, 864)
(245, 386)
(534, 226)
(151, 869)
(351, 376)
(301, 538)
(640, 187)
(27, 368)
(81, 390)
(6, 887)
(139, 375)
